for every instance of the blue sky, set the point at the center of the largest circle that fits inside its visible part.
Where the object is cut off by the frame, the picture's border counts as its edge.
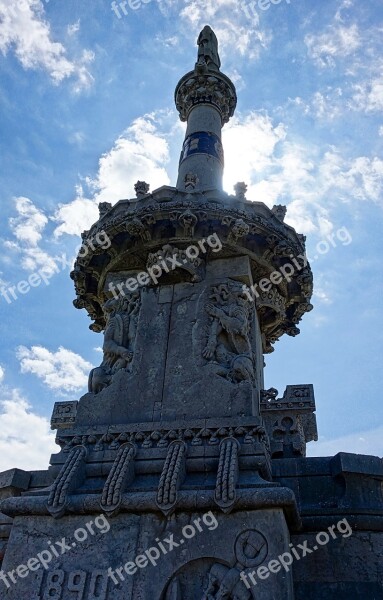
(87, 110)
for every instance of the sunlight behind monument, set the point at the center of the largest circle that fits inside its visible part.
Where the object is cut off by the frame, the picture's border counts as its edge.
(179, 477)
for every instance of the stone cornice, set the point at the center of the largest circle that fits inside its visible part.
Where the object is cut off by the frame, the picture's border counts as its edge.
(136, 229)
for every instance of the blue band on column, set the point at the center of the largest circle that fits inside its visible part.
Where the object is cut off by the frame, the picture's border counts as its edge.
(202, 142)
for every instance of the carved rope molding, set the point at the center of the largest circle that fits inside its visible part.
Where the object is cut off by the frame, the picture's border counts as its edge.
(172, 476)
(119, 478)
(71, 476)
(227, 475)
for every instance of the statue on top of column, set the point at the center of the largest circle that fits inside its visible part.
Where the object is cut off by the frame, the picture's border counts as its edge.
(208, 49)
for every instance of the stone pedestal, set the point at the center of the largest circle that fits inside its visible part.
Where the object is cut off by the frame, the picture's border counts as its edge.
(146, 556)
(163, 486)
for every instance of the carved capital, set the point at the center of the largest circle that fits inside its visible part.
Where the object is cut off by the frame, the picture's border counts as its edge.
(206, 88)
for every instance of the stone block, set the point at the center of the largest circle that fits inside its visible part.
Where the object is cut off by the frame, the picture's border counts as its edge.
(198, 554)
(13, 481)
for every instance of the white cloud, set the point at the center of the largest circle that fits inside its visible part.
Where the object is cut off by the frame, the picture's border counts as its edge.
(76, 215)
(336, 42)
(63, 370)
(74, 28)
(360, 178)
(26, 441)
(368, 95)
(310, 181)
(365, 442)
(249, 144)
(326, 104)
(139, 153)
(323, 289)
(2, 373)
(27, 229)
(24, 30)
(235, 24)
(30, 222)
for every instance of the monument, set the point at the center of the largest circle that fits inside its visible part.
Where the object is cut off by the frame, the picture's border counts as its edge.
(179, 477)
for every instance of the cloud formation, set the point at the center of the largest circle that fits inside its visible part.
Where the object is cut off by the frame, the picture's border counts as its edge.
(24, 29)
(26, 440)
(64, 370)
(138, 153)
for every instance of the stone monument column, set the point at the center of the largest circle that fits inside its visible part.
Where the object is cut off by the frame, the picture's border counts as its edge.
(176, 427)
(206, 99)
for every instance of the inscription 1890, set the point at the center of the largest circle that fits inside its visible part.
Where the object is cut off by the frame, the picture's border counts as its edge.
(56, 584)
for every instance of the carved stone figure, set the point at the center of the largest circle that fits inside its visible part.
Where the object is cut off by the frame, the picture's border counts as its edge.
(208, 48)
(225, 584)
(229, 335)
(191, 181)
(120, 333)
(188, 221)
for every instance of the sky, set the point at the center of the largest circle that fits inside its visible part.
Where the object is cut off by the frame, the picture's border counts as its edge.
(87, 109)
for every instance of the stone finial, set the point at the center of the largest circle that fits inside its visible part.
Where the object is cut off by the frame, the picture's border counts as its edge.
(279, 211)
(208, 49)
(103, 208)
(240, 189)
(191, 181)
(141, 188)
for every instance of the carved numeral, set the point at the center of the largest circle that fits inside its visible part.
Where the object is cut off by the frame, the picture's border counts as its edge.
(98, 586)
(88, 586)
(76, 583)
(55, 580)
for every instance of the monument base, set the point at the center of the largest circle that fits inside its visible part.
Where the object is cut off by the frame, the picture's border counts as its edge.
(188, 556)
